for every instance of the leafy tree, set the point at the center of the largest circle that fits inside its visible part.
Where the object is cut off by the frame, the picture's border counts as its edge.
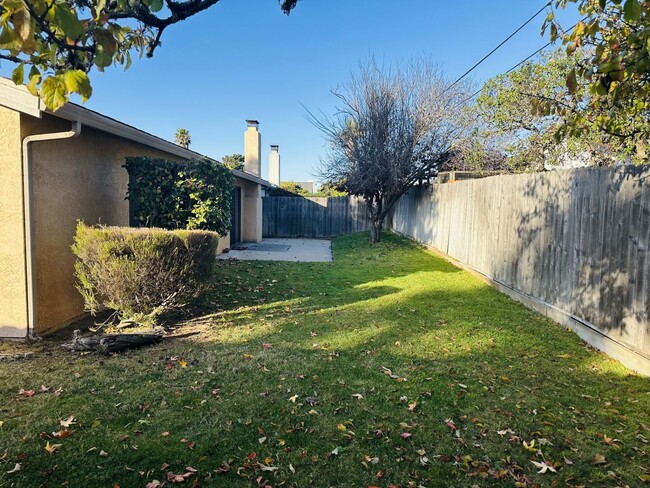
(234, 161)
(616, 70)
(511, 111)
(392, 129)
(183, 138)
(293, 187)
(61, 41)
(329, 189)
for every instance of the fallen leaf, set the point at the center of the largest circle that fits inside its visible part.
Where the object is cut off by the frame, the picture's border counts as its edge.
(292, 469)
(599, 459)
(51, 448)
(247, 356)
(261, 440)
(530, 447)
(293, 398)
(154, 484)
(103, 453)
(183, 363)
(358, 396)
(267, 346)
(336, 450)
(543, 467)
(563, 356)
(17, 468)
(268, 468)
(165, 434)
(412, 406)
(188, 444)
(451, 424)
(62, 434)
(405, 435)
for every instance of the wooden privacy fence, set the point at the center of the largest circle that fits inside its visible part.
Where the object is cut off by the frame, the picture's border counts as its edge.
(573, 244)
(313, 217)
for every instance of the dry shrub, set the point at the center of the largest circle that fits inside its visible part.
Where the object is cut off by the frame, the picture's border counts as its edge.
(142, 272)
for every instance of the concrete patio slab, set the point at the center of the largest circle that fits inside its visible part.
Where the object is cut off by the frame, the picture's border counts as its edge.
(302, 250)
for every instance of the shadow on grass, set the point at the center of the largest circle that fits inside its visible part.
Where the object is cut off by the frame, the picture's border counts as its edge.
(329, 333)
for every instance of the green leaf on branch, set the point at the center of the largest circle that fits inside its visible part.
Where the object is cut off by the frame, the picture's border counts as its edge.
(76, 81)
(18, 74)
(631, 10)
(53, 92)
(34, 80)
(155, 5)
(67, 21)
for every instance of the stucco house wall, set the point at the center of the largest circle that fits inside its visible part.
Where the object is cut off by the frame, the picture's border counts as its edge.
(13, 301)
(73, 179)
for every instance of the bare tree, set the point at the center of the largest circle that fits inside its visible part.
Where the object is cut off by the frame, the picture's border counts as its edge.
(394, 127)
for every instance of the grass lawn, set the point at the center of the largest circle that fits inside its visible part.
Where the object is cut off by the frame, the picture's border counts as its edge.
(387, 367)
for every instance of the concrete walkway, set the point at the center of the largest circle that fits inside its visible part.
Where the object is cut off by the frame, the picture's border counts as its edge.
(305, 250)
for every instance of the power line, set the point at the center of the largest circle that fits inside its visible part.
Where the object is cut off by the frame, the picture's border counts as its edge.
(501, 44)
(525, 59)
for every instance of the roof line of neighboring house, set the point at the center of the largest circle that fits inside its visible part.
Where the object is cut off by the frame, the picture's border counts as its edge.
(19, 99)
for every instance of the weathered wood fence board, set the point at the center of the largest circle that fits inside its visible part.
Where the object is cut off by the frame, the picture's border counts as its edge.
(577, 240)
(313, 217)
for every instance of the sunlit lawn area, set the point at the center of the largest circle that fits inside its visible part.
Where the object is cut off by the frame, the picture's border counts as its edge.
(386, 367)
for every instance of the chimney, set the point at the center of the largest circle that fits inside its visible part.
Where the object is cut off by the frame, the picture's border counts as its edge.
(252, 148)
(274, 165)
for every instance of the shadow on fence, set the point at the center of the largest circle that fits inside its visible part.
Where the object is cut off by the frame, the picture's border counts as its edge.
(577, 240)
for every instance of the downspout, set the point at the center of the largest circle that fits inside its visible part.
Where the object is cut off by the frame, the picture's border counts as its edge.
(30, 258)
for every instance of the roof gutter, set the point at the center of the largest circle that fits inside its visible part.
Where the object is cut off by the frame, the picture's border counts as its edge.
(30, 257)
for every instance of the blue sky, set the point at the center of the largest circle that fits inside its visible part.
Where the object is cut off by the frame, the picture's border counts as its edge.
(245, 59)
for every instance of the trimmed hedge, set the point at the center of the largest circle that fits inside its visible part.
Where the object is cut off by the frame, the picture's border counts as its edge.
(194, 194)
(142, 272)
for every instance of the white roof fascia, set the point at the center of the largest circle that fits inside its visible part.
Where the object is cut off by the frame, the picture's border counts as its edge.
(18, 98)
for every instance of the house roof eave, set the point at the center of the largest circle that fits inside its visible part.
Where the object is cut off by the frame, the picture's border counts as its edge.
(19, 99)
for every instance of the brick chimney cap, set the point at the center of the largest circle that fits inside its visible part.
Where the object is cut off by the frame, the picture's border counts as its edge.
(252, 123)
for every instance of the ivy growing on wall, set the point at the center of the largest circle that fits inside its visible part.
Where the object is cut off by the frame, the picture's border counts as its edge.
(194, 194)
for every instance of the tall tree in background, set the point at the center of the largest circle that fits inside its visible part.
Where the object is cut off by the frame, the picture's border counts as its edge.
(509, 110)
(616, 72)
(393, 127)
(182, 138)
(234, 161)
(61, 41)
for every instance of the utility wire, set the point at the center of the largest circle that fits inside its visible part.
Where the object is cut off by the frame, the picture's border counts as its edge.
(525, 59)
(501, 44)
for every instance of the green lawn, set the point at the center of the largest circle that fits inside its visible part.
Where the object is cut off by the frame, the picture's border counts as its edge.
(387, 367)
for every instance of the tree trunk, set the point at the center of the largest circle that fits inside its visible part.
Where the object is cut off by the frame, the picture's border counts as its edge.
(375, 231)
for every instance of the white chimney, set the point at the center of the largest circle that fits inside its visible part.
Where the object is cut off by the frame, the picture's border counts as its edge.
(274, 165)
(253, 148)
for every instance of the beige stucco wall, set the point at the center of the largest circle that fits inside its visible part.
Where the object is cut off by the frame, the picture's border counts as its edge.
(13, 299)
(251, 212)
(73, 179)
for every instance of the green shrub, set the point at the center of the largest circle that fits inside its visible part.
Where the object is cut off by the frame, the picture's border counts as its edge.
(193, 194)
(142, 272)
